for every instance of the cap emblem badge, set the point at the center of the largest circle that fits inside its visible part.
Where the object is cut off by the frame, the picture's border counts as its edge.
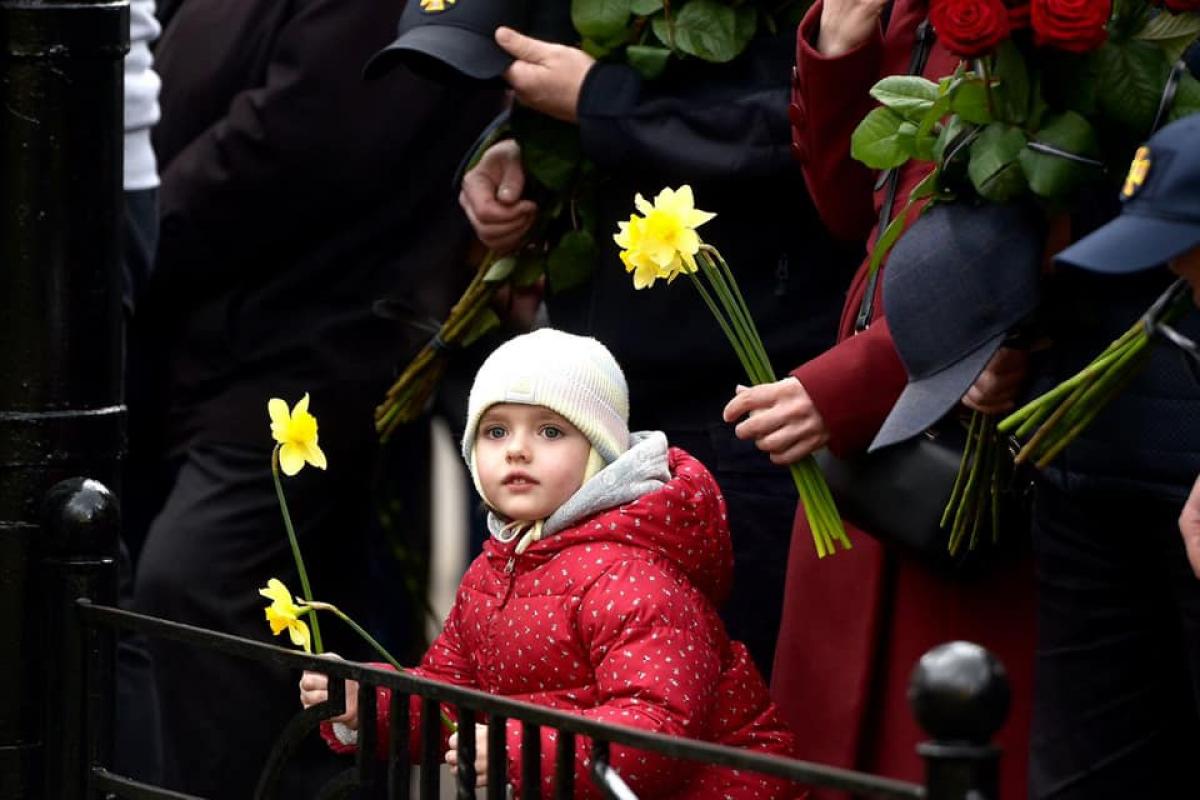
(436, 6)
(1137, 172)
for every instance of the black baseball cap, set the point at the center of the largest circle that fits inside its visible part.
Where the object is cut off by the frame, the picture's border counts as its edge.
(457, 34)
(956, 284)
(456, 38)
(1160, 215)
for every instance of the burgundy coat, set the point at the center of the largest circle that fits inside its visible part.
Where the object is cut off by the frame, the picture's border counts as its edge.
(855, 624)
(614, 619)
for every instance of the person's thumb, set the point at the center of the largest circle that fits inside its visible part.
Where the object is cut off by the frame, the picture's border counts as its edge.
(521, 47)
(512, 181)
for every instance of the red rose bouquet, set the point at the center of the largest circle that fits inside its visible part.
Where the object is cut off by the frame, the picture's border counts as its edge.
(1049, 102)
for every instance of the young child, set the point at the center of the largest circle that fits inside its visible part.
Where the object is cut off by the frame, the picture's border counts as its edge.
(596, 592)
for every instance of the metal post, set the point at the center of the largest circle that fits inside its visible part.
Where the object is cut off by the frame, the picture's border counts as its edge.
(60, 415)
(959, 694)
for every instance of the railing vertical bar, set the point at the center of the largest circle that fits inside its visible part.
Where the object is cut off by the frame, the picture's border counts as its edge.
(564, 766)
(431, 747)
(497, 768)
(531, 761)
(466, 753)
(368, 738)
(399, 776)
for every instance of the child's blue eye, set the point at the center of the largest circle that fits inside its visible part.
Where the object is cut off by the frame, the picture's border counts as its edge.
(552, 432)
(493, 432)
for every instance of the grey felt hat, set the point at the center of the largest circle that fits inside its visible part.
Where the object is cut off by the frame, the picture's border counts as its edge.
(958, 281)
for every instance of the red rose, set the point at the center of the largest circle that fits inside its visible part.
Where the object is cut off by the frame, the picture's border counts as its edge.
(1074, 25)
(969, 28)
(1018, 13)
(1180, 6)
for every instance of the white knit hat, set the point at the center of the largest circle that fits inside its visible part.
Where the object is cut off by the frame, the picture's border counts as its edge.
(574, 376)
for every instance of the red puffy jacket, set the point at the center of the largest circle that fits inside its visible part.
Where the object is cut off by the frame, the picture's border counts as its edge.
(614, 619)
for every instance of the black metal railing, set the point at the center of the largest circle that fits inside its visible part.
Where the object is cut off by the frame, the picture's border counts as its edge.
(959, 694)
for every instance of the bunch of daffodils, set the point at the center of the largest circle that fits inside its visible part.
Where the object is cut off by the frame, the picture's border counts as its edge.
(660, 242)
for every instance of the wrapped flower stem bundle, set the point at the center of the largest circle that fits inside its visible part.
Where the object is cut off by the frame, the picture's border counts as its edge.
(1058, 417)
(661, 242)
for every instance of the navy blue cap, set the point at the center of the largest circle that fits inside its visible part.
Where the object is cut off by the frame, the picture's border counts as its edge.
(956, 284)
(1160, 215)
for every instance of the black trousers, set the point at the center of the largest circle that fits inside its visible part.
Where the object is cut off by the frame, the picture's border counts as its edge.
(217, 540)
(1117, 697)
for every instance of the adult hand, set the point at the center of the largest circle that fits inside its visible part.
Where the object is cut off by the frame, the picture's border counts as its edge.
(782, 421)
(481, 754)
(314, 689)
(995, 390)
(845, 24)
(546, 77)
(491, 198)
(1189, 527)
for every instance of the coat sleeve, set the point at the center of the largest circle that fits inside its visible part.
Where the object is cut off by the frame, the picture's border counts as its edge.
(445, 661)
(709, 131)
(854, 386)
(288, 153)
(830, 97)
(656, 659)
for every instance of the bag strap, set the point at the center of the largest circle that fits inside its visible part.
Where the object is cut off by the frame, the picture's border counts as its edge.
(920, 56)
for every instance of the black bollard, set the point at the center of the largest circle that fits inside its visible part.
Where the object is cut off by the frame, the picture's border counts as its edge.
(959, 694)
(61, 130)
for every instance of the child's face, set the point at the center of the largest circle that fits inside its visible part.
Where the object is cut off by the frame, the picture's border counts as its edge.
(529, 460)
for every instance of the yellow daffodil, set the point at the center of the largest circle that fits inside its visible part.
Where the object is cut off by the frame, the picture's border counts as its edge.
(662, 243)
(296, 432)
(284, 614)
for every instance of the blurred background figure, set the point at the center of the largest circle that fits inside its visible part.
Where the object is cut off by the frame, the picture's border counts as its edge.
(297, 201)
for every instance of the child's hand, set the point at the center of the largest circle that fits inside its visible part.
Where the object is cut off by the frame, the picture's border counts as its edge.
(480, 754)
(314, 689)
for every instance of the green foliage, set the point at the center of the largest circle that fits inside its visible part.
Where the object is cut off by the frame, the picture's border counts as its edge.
(910, 96)
(550, 150)
(1187, 98)
(1053, 176)
(969, 100)
(995, 166)
(600, 20)
(649, 60)
(1131, 79)
(1173, 33)
(707, 29)
(1012, 90)
(644, 8)
(879, 142)
(571, 262)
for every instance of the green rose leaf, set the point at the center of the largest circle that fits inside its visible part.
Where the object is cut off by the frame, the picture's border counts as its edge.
(878, 141)
(706, 29)
(1173, 33)
(600, 19)
(969, 100)
(550, 149)
(1131, 79)
(648, 60)
(1057, 176)
(1187, 97)
(500, 269)
(995, 166)
(1012, 87)
(909, 96)
(645, 8)
(572, 260)
(530, 267)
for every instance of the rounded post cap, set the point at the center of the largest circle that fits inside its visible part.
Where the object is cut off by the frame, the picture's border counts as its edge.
(959, 693)
(81, 517)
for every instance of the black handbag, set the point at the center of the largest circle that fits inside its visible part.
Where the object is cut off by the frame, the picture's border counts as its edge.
(898, 494)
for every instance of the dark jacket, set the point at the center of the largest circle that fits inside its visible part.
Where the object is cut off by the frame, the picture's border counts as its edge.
(724, 130)
(294, 196)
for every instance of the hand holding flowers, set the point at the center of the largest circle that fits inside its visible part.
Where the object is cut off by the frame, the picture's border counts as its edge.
(660, 242)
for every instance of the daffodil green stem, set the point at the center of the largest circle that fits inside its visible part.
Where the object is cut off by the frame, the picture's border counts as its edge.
(369, 639)
(739, 301)
(738, 348)
(291, 532)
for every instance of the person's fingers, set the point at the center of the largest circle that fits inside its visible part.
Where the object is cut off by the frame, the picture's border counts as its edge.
(780, 440)
(527, 80)
(512, 181)
(521, 47)
(510, 227)
(803, 448)
(746, 400)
